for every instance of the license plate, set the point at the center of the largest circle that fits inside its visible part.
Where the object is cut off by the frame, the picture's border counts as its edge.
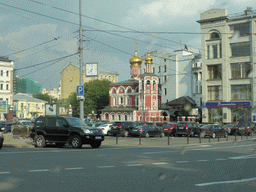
(166, 129)
(241, 128)
(97, 137)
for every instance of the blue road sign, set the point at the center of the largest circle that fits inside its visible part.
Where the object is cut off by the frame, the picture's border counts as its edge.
(80, 90)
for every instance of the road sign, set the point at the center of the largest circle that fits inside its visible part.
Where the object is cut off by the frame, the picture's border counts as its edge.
(80, 90)
(80, 97)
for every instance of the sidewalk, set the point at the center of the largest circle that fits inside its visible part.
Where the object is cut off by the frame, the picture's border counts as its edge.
(17, 142)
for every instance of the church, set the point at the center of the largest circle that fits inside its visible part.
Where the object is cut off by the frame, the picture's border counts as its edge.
(138, 98)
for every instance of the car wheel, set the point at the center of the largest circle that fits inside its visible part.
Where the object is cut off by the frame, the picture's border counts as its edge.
(1, 145)
(226, 135)
(95, 144)
(162, 135)
(213, 135)
(40, 141)
(75, 141)
(59, 145)
(125, 134)
(147, 135)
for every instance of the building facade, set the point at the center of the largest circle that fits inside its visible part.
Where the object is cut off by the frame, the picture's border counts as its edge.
(228, 66)
(70, 79)
(179, 74)
(138, 98)
(54, 93)
(27, 85)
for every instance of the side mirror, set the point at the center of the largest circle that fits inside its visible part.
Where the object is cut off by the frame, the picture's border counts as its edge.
(65, 125)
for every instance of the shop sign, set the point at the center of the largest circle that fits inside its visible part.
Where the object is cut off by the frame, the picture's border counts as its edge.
(227, 104)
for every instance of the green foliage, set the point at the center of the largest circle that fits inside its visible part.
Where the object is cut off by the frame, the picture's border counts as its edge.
(44, 97)
(63, 103)
(75, 104)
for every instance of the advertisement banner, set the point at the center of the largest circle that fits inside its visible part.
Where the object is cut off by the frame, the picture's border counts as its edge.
(3, 107)
(227, 104)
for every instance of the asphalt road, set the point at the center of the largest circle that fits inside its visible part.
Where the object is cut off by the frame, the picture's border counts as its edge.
(206, 167)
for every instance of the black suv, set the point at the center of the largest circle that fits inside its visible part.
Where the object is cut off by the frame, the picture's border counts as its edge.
(60, 130)
(188, 128)
(245, 128)
(123, 128)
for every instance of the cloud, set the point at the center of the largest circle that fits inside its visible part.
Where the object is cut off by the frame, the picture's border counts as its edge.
(162, 11)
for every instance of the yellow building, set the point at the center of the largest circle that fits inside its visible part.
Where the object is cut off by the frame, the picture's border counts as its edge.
(26, 106)
(70, 79)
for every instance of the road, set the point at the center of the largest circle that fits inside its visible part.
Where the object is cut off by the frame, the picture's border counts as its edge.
(206, 167)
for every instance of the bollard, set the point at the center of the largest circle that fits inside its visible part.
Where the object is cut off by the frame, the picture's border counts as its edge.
(209, 139)
(241, 137)
(235, 136)
(168, 138)
(188, 139)
(117, 138)
(227, 137)
(140, 139)
(218, 138)
(247, 136)
(200, 138)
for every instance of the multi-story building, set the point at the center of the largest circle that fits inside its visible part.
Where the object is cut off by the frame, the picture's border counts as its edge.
(27, 85)
(179, 74)
(54, 93)
(70, 79)
(25, 106)
(228, 66)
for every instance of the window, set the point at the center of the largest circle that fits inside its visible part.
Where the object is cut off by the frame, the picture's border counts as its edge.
(113, 79)
(215, 51)
(50, 122)
(109, 78)
(113, 117)
(159, 69)
(165, 68)
(125, 117)
(164, 60)
(142, 85)
(1, 86)
(137, 101)
(60, 122)
(220, 51)
(114, 101)
(208, 52)
(215, 35)
(240, 70)
(21, 106)
(214, 93)
(215, 114)
(153, 69)
(148, 85)
(165, 79)
(154, 85)
(165, 91)
(7, 73)
(242, 28)
(240, 92)
(240, 114)
(2, 72)
(7, 87)
(159, 80)
(119, 117)
(127, 100)
(214, 72)
(240, 49)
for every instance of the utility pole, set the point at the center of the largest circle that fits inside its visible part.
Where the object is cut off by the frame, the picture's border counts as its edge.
(80, 51)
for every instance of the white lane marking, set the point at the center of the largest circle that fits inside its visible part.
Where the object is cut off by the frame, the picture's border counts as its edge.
(221, 159)
(182, 161)
(5, 173)
(244, 157)
(160, 163)
(203, 160)
(221, 147)
(160, 152)
(134, 165)
(224, 182)
(39, 170)
(74, 168)
(106, 166)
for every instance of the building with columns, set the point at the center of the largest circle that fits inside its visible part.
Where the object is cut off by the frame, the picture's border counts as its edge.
(138, 98)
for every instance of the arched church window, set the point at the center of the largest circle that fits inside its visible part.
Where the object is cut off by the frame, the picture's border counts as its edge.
(215, 35)
(148, 85)
(154, 85)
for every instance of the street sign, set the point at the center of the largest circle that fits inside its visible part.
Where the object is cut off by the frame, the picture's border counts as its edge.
(80, 97)
(80, 90)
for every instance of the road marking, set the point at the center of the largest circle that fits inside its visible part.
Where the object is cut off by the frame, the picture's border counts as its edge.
(224, 182)
(221, 159)
(5, 173)
(244, 157)
(75, 168)
(39, 170)
(160, 152)
(182, 161)
(134, 165)
(221, 147)
(160, 163)
(106, 166)
(203, 160)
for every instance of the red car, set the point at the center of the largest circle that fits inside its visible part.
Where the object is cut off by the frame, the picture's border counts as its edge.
(170, 128)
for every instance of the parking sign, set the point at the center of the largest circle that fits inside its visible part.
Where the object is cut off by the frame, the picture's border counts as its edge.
(80, 90)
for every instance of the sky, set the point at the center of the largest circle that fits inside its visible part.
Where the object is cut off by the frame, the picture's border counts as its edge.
(41, 36)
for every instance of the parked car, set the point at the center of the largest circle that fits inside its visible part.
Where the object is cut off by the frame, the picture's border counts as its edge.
(245, 128)
(230, 128)
(147, 131)
(26, 122)
(61, 130)
(106, 128)
(8, 127)
(123, 128)
(188, 129)
(213, 130)
(1, 140)
(170, 128)
(93, 124)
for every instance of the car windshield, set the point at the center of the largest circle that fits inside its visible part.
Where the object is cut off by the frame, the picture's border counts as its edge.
(75, 122)
(207, 126)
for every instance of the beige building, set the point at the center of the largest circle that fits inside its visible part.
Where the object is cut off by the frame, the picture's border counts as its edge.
(70, 79)
(54, 93)
(228, 60)
(25, 106)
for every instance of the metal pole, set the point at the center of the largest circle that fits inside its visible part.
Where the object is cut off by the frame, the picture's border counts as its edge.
(116, 138)
(80, 51)
(140, 139)
(188, 139)
(168, 138)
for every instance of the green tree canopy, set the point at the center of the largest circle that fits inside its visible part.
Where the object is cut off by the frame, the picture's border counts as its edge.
(44, 97)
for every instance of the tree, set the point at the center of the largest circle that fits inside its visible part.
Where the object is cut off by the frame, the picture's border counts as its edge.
(75, 104)
(44, 97)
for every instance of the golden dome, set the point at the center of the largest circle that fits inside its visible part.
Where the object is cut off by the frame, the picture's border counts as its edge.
(148, 59)
(135, 60)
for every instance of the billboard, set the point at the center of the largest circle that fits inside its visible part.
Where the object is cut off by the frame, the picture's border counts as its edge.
(51, 109)
(3, 107)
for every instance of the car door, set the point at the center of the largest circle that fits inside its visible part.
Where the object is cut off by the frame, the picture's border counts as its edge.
(62, 129)
(51, 129)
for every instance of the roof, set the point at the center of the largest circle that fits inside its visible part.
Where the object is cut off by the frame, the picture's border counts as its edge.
(148, 74)
(182, 100)
(27, 98)
(5, 59)
(127, 82)
(108, 108)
